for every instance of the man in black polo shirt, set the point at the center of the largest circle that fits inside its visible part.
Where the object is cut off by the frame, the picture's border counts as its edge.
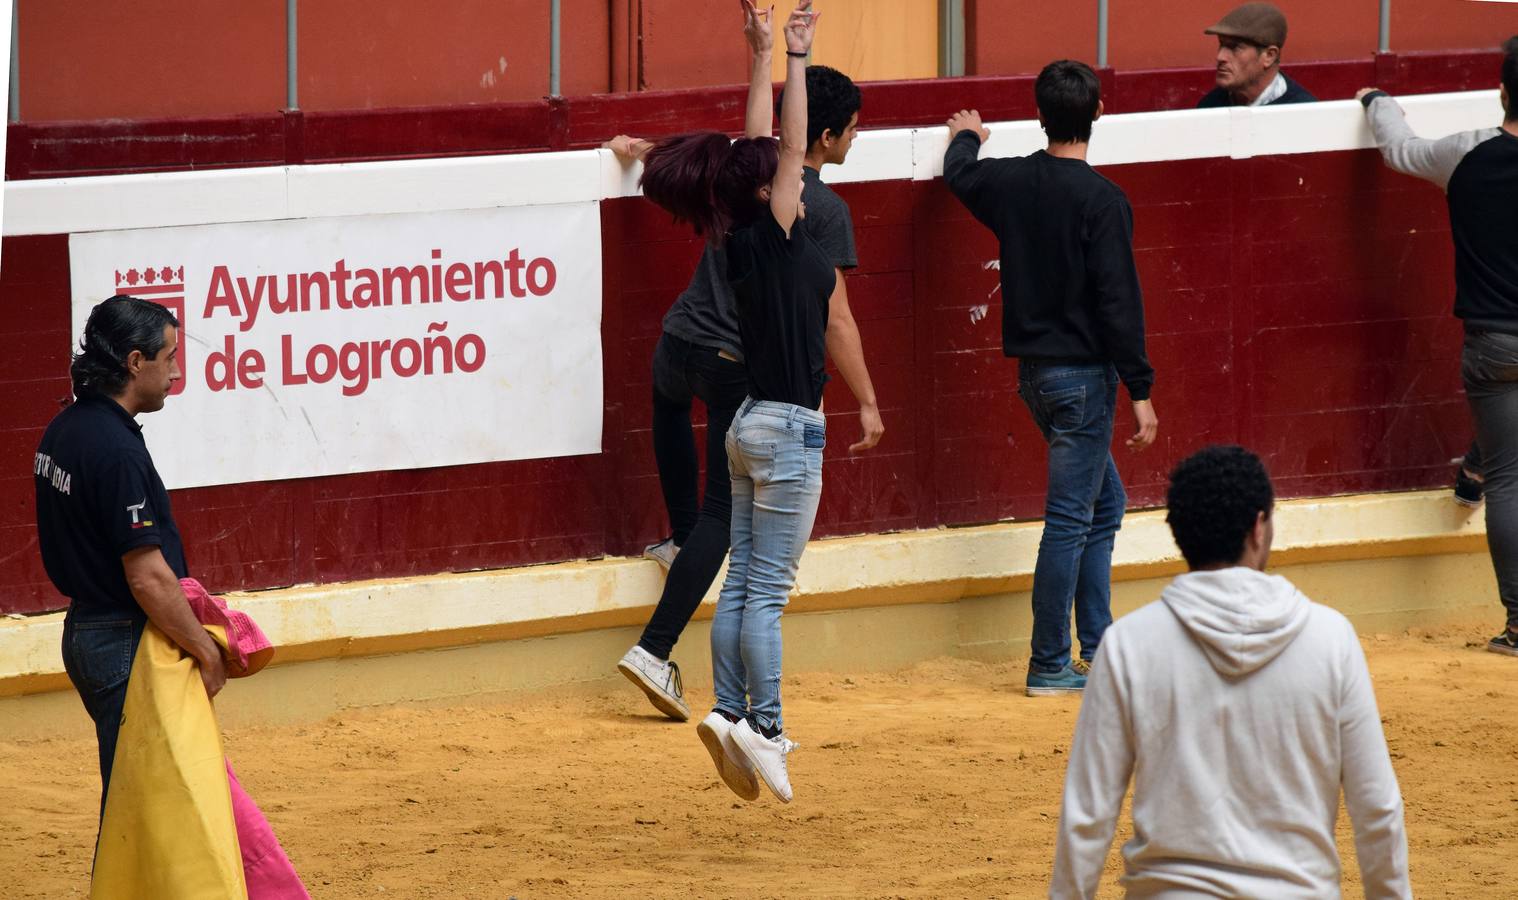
(107, 535)
(1479, 173)
(1073, 313)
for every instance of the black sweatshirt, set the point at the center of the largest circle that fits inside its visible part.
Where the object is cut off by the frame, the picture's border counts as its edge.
(1070, 290)
(1483, 218)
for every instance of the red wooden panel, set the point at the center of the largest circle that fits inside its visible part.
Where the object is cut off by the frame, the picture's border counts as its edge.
(152, 58)
(359, 55)
(426, 132)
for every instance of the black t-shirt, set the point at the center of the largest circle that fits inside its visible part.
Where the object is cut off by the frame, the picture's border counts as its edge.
(1483, 206)
(98, 496)
(706, 313)
(782, 287)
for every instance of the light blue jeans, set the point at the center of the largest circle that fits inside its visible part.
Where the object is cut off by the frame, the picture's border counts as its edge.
(774, 452)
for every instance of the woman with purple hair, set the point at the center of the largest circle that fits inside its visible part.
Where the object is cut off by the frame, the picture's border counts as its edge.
(745, 195)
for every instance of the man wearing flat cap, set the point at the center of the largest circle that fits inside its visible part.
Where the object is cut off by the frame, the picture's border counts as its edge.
(1249, 60)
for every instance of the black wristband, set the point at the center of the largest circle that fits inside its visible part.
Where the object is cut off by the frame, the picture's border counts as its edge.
(1365, 101)
(802, 55)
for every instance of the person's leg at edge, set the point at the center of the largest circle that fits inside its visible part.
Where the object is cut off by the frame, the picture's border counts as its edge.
(1489, 368)
(785, 508)
(1068, 404)
(674, 440)
(729, 678)
(701, 555)
(1093, 585)
(98, 658)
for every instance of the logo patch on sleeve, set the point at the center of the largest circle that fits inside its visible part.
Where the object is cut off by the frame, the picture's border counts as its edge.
(137, 520)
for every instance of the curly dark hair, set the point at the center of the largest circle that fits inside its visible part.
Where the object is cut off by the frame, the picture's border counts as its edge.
(832, 98)
(1510, 75)
(1215, 497)
(114, 329)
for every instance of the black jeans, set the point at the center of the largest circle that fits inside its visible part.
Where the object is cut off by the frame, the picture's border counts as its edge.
(683, 370)
(1489, 369)
(97, 654)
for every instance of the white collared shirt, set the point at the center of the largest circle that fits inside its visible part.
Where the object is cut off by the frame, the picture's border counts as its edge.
(1274, 92)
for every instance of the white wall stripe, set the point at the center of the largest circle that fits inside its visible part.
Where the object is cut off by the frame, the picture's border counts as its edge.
(118, 202)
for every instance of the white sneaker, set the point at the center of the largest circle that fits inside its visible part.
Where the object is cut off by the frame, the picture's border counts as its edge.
(766, 756)
(716, 732)
(659, 679)
(663, 552)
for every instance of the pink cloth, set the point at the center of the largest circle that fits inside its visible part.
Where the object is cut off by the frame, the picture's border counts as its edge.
(244, 638)
(265, 867)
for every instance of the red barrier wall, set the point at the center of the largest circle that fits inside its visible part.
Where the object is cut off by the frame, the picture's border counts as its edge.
(1297, 304)
(170, 58)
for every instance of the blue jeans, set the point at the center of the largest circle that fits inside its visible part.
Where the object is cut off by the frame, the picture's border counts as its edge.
(1073, 406)
(98, 650)
(774, 453)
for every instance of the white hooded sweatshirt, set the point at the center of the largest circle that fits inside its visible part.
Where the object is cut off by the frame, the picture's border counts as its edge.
(1240, 709)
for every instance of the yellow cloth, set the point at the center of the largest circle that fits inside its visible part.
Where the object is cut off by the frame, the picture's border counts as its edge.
(168, 830)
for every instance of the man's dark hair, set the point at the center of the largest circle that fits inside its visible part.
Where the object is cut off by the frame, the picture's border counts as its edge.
(832, 98)
(1068, 93)
(1215, 497)
(1510, 75)
(115, 328)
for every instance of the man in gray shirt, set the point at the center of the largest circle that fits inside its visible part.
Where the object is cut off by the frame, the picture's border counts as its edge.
(1478, 171)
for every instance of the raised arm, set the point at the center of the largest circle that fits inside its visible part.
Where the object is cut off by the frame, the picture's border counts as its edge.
(759, 121)
(1404, 151)
(785, 190)
(969, 178)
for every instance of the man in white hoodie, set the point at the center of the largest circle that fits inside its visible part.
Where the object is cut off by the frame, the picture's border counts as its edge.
(1240, 709)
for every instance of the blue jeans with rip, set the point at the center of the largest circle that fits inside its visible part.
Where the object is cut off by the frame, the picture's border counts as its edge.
(774, 453)
(1074, 406)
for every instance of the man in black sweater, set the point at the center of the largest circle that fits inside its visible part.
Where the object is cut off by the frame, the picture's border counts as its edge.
(1073, 314)
(1479, 172)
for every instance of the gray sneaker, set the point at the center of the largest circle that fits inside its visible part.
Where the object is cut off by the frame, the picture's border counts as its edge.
(663, 552)
(659, 679)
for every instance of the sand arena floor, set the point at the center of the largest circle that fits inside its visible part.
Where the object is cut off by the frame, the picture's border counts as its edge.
(939, 781)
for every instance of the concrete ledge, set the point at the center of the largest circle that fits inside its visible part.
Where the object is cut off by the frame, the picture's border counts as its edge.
(921, 567)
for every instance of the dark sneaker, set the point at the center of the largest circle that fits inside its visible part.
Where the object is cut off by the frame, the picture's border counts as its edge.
(1506, 642)
(1468, 491)
(1051, 684)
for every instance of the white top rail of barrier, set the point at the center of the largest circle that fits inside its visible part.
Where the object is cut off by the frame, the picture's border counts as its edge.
(161, 200)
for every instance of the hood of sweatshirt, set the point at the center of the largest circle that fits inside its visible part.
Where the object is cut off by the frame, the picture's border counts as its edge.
(1242, 618)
